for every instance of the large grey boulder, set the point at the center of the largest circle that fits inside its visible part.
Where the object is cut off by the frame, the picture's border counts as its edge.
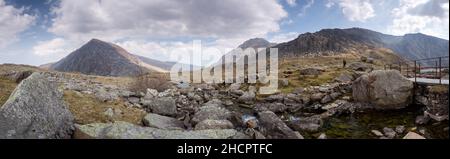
(275, 128)
(247, 98)
(211, 112)
(162, 122)
(273, 107)
(162, 106)
(36, 110)
(344, 77)
(358, 66)
(124, 130)
(383, 89)
(214, 124)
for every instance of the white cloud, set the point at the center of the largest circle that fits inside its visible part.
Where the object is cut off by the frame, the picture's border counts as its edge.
(354, 10)
(55, 49)
(287, 22)
(291, 3)
(138, 25)
(284, 37)
(329, 4)
(305, 7)
(52, 47)
(172, 51)
(425, 16)
(12, 22)
(117, 19)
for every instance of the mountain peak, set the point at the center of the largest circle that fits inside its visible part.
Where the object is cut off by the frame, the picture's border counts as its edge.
(255, 43)
(97, 57)
(95, 41)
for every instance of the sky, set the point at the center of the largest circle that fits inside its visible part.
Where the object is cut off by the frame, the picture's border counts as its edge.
(37, 32)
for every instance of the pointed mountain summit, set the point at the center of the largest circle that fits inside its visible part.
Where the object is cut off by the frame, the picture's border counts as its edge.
(256, 43)
(105, 59)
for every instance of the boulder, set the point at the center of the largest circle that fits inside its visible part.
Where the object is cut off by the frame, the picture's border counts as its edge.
(273, 107)
(109, 113)
(317, 97)
(234, 87)
(134, 100)
(151, 93)
(17, 76)
(214, 124)
(389, 132)
(311, 71)
(358, 66)
(162, 122)
(284, 82)
(413, 135)
(124, 130)
(275, 127)
(36, 110)
(383, 89)
(322, 136)
(400, 129)
(275, 98)
(162, 106)
(211, 112)
(422, 119)
(326, 99)
(247, 98)
(310, 124)
(377, 133)
(104, 95)
(343, 78)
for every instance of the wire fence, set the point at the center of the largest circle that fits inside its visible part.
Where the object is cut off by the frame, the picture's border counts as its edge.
(429, 68)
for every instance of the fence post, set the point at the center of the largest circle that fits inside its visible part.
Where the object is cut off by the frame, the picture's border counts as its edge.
(440, 75)
(436, 63)
(407, 70)
(415, 71)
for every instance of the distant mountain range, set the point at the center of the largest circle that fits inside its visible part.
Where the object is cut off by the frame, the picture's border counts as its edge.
(410, 46)
(106, 59)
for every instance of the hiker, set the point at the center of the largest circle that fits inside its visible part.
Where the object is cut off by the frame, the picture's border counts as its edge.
(344, 63)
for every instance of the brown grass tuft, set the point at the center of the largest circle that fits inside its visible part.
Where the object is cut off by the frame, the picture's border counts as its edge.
(6, 88)
(159, 82)
(88, 109)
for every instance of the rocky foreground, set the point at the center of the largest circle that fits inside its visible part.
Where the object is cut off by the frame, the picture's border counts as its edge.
(36, 109)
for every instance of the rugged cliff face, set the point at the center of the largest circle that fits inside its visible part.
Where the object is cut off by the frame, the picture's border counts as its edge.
(410, 46)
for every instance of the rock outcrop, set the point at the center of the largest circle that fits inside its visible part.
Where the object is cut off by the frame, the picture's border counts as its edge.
(162, 106)
(383, 89)
(275, 127)
(35, 110)
(16, 76)
(211, 112)
(124, 130)
(162, 122)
